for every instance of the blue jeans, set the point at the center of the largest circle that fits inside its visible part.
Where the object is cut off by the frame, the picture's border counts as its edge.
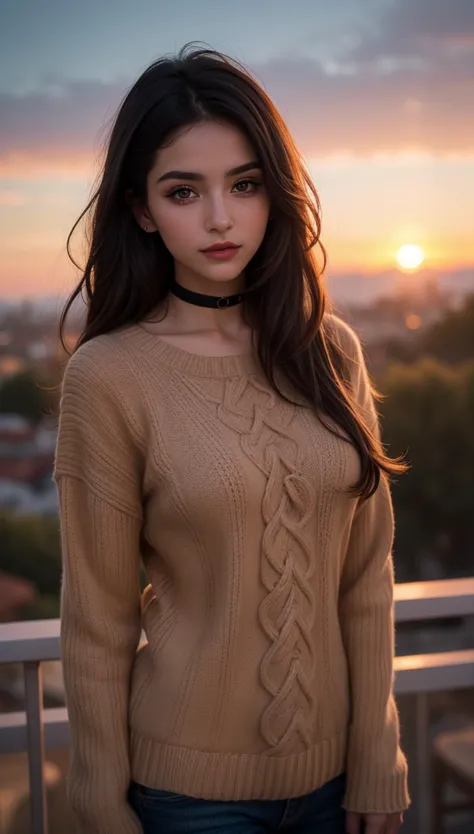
(319, 812)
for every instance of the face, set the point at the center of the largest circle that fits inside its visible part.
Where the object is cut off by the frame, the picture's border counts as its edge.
(203, 189)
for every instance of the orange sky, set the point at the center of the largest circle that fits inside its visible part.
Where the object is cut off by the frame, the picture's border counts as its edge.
(380, 100)
(371, 206)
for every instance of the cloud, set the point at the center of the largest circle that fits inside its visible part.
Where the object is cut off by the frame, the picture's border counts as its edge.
(368, 112)
(60, 130)
(427, 30)
(408, 85)
(434, 19)
(43, 163)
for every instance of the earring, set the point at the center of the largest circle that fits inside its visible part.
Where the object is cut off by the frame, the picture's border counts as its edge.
(145, 228)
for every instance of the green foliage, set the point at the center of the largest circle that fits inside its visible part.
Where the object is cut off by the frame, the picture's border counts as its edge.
(428, 415)
(451, 339)
(46, 607)
(31, 549)
(23, 394)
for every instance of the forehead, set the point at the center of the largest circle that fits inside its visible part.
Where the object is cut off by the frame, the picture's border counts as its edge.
(208, 147)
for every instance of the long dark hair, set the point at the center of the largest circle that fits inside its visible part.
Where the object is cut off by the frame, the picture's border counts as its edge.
(128, 272)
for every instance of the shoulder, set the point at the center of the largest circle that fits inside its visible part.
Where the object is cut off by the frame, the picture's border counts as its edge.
(347, 342)
(343, 334)
(99, 394)
(99, 356)
(100, 433)
(99, 384)
(97, 367)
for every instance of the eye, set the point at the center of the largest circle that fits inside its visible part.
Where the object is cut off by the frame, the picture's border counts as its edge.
(245, 183)
(181, 194)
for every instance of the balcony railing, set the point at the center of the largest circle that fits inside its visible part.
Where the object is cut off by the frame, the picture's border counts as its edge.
(38, 729)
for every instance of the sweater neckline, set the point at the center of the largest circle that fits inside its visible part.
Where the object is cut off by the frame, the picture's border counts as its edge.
(239, 364)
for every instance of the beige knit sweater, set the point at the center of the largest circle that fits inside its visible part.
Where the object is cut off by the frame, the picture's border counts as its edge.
(267, 669)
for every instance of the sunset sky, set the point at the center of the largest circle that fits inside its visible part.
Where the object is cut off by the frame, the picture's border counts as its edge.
(378, 94)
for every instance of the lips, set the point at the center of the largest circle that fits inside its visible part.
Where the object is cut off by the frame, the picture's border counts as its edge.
(220, 247)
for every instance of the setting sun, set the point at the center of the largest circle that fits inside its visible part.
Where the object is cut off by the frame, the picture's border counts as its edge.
(410, 256)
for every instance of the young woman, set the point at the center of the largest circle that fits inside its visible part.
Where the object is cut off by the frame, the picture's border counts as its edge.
(218, 427)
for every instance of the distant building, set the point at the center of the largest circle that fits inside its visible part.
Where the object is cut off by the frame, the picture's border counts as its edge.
(26, 465)
(23, 499)
(401, 316)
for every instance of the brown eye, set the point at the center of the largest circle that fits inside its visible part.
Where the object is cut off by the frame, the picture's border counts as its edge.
(246, 186)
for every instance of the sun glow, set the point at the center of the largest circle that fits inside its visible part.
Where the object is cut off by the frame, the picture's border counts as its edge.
(410, 256)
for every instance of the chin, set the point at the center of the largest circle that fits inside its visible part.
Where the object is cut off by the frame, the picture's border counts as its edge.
(222, 275)
(216, 273)
(223, 278)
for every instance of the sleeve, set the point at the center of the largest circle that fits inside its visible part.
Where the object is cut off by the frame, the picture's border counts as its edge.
(98, 479)
(376, 766)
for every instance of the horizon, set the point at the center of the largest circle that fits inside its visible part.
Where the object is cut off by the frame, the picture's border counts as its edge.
(378, 97)
(348, 289)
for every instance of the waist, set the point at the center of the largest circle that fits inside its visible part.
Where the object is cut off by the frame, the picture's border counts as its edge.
(235, 776)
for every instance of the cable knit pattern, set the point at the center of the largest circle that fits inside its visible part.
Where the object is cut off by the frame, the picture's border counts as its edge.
(267, 668)
(287, 613)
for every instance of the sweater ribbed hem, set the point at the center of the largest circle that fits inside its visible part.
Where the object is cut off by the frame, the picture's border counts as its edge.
(235, 776)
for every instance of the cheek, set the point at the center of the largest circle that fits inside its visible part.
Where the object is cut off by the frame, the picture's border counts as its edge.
(258, 217)
(175, 226)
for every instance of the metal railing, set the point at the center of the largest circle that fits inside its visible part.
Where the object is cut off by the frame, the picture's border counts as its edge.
(38, 729)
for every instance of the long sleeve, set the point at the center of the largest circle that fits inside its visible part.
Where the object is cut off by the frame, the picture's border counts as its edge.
(376, 766)
(98, 478)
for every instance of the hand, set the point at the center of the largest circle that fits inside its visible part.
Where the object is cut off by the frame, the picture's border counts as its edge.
(373, 823)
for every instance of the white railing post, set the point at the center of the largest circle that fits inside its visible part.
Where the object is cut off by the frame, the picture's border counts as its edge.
(36, 747)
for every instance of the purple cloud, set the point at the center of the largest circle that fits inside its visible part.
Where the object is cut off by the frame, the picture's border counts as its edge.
(425, 29)
(69, 118)
(409, 86)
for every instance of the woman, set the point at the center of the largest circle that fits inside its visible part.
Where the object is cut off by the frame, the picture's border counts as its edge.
(218, 427)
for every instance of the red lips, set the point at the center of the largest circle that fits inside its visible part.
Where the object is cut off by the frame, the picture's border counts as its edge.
(219, 246)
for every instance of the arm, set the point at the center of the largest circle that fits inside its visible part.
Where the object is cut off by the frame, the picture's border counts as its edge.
(100, 515)
(376, 766)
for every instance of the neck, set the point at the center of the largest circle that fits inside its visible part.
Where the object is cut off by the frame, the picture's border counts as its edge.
(191, 318)
(188, 318)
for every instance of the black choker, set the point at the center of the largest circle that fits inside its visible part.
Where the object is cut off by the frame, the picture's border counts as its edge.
(201, 300)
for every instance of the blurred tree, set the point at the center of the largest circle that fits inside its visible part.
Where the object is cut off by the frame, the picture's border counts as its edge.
(21, 394)
(451, 339)
(31, 549)
(46, 607)
(428, 415)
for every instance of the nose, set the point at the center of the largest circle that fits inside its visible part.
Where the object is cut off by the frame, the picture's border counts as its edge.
(218, 217)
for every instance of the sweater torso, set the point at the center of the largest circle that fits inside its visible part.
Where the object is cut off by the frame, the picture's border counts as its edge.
(241, 511)
(246, 522)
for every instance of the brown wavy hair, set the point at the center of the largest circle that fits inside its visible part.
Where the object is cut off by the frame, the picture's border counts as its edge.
(127, 273)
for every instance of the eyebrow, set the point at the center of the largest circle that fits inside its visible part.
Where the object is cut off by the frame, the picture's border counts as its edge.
(189, 175)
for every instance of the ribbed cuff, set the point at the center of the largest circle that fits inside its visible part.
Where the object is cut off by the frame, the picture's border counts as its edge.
(371, 790)
(106, 819)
